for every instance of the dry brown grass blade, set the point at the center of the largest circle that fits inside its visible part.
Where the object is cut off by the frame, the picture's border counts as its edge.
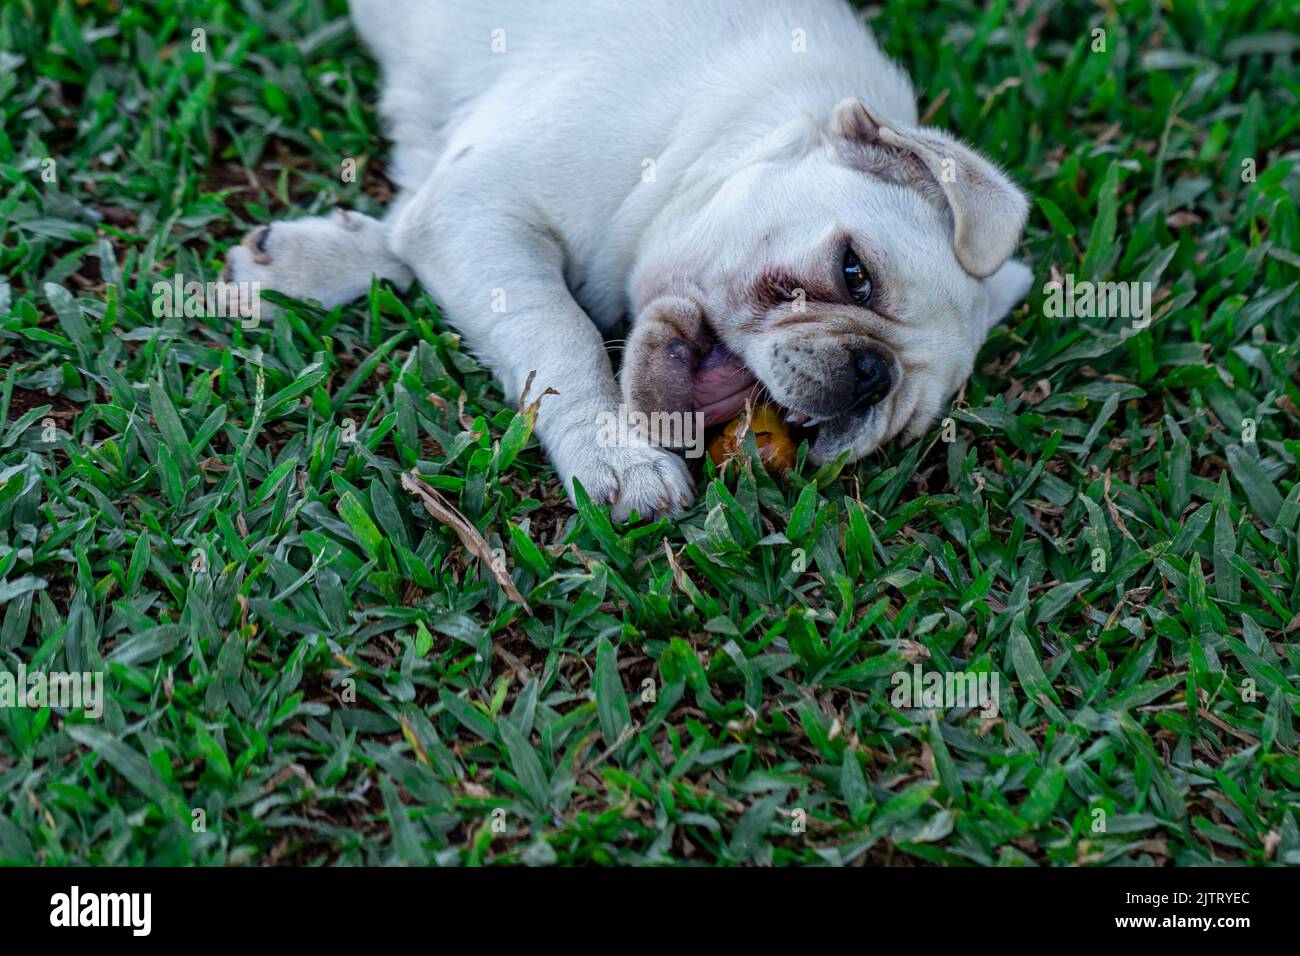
(441, 508)
(530, 408)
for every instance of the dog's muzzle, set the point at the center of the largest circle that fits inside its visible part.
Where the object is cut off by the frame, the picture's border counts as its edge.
(872, 379)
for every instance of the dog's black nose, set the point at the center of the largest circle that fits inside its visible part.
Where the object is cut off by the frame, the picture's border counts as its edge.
(873, 378)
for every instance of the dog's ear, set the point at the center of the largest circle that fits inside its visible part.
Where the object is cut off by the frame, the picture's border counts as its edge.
(1006, 288)
(988, 211)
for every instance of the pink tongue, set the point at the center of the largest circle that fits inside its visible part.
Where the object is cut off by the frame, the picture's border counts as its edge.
(722, 383)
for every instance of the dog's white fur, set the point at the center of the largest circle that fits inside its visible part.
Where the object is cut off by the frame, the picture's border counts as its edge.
(562, 165)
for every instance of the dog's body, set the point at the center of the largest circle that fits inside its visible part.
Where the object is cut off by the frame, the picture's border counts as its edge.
(706, 166)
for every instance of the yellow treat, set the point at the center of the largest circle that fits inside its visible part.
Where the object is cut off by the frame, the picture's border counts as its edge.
(776, 449)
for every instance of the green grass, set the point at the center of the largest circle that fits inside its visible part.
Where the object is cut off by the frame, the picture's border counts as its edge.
(294, 646)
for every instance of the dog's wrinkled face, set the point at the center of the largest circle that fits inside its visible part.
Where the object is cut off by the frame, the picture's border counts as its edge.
(850, 276)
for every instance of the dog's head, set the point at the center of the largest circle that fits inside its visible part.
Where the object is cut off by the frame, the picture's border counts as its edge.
(848, 268)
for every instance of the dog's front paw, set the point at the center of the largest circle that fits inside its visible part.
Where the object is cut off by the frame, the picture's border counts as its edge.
(650, 481)
(327, 258)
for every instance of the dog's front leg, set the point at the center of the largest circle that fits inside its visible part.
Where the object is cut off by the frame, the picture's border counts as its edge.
(501, 282)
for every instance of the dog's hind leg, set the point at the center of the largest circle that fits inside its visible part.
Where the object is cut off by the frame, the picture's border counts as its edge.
(327, 258)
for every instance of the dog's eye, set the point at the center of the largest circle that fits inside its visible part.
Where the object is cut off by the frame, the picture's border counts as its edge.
(857, 278)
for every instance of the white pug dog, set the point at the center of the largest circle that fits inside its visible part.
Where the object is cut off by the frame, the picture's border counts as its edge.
(746, 178)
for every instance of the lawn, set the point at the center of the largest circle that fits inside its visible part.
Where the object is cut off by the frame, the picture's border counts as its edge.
(303, 665)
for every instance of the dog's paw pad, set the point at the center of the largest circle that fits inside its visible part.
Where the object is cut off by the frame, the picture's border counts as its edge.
(256, 242)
